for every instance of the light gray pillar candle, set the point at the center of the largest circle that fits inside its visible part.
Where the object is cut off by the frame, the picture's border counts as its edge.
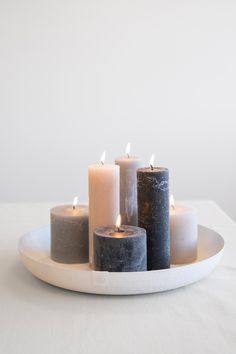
(120, 250)
(128, 187)
(69, 234)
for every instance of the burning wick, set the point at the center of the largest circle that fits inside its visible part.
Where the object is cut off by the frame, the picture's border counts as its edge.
(118, 223)
(127, 150)
(172, 202)
(75, 202)
(103, 157)
(151, 163)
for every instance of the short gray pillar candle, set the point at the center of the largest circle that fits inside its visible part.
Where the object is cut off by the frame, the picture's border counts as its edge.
(120, 250)
(153, 214)
(69, 234)
(128, 187)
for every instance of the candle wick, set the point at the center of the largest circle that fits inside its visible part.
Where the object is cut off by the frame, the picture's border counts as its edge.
(102, 163)
(73, 207)
(128, 156)
(151, 167)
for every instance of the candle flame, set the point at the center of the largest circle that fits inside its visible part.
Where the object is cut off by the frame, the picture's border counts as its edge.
(172, 201)
(127, 150)
(75, 202)
(103, 157)
(118, 221)
(151, 163)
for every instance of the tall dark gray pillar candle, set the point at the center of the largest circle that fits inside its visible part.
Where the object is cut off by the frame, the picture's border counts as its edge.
(153, 214)
(120, 251)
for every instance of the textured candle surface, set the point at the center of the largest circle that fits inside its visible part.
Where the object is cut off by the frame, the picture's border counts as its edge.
(104, 198)
(69, 234)
(120, 251)
(183, 234)
(128, 188)
(153, 214)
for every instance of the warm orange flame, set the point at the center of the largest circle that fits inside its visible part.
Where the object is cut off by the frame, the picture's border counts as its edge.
(127, 150)
(75, 202)
(172, 201)
(103, 157)
(118, 221)
(151, 163)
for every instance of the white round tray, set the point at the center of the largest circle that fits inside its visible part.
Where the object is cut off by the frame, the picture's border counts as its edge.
(34, 248)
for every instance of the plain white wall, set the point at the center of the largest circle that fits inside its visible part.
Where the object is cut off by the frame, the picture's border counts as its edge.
(78, 77)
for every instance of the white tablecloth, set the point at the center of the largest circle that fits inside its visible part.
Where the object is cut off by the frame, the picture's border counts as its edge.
(36, 318)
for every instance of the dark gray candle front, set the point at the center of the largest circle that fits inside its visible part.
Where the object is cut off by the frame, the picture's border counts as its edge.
(153, 214)
(120, 251)
(69, 234)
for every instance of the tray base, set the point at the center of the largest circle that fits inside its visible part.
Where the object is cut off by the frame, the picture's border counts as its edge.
(34, 249)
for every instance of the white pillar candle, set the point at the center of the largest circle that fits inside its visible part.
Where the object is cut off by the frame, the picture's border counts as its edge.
(128, 187)
(104, 198)
(183, 233)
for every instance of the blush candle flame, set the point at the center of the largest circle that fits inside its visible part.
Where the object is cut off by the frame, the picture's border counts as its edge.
(75, 202)
(127, 150)
(151, 163)
(172, 202)
(118, 223)
(103, 157)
